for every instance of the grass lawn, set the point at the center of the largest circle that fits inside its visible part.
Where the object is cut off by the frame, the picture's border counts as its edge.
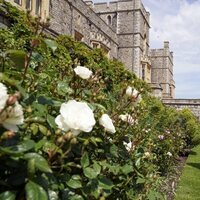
(189, 185)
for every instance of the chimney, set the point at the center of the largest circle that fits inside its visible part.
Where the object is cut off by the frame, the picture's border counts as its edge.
(166, 44)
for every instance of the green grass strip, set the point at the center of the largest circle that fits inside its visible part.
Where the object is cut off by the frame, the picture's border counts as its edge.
(189, 185)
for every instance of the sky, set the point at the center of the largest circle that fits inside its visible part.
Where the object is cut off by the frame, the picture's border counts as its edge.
(178, 21)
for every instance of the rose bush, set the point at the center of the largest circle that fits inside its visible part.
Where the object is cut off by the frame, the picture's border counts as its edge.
(59, 150)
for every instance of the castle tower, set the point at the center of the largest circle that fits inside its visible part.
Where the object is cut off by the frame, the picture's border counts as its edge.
(162, 70)
(130, 20)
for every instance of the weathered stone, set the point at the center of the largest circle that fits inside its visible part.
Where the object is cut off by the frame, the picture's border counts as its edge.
(179, 104)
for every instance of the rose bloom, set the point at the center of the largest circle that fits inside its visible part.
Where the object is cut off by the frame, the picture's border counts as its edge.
(161, 137)
(83, 72)
(128, 146)
(127, 118)
(106, 122)
(131, 92)
(169, 154)
(147, 154)
(75, 116)
(3, 96)
(11, 117)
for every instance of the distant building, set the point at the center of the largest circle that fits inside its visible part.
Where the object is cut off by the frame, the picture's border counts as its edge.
(120, 28)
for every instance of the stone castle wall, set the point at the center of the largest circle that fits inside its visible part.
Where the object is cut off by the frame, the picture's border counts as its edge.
(162, 70)
(179, 104)
(68, 16)
(131, 22)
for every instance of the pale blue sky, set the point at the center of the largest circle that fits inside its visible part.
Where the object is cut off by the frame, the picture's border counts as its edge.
(178, 21)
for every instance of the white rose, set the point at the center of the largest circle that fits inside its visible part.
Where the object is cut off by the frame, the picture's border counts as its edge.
(169, 154)
(127, 118)
(75, 116)
(128, 146)
(147, 154)
(83, 72)
(131, 92)
(3, 95)
(106, 122)
(12, 116)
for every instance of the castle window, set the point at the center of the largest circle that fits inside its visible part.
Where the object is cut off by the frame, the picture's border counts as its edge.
(109, 20)
(78, 36)
(18, 2)
(105, 49)
(38, 7)
(95, 45)
(145, 45)
(28, 4)
(143, 72)
(79, 20)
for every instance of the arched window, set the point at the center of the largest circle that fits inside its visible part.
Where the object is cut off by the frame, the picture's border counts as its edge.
(38, 7)
(109, 20)
(28, 4)
(143, 72)
(18, 2)
(145, 45)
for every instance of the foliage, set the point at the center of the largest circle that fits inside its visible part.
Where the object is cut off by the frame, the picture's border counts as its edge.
(40, 161)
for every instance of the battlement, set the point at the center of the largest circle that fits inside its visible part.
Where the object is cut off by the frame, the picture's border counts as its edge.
(164, 52)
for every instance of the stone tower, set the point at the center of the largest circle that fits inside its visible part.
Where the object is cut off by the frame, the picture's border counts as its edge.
(162, 70)
(130, 20)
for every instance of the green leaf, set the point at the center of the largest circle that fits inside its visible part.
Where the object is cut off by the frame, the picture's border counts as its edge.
(140, 180)
(85, 160)
(76, 197)
(63, 88)
(18, 57)
(137, 163)
(37, 57)
(18, 149)
(43, 129)
(75, 182)
(90, 172)
(126, 169)
(97, 167)
(51, 121)
(94, 140)
(31, 167)
(114, 150)
(34, 128)
(105, 183)
(51, 44)
(40, 163)
(8, 195)
(35, 192)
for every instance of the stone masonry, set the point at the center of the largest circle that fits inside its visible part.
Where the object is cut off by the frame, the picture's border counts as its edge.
(179, 104)
(120, 28)
(162, 70)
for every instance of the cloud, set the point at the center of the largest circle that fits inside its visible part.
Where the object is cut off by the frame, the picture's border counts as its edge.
(178, 21)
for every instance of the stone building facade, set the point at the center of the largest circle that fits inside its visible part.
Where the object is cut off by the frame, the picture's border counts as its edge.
(162, 70)
(120, 28)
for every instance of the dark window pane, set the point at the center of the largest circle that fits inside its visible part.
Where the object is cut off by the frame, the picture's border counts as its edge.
(28, 4)
(38, 7)
(18, 1)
